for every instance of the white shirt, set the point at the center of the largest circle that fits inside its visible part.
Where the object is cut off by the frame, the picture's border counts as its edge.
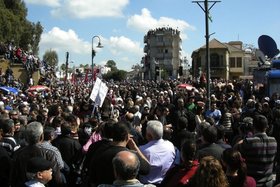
(161, 155)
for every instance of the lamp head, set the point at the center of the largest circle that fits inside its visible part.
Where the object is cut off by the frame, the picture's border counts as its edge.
(99, 45)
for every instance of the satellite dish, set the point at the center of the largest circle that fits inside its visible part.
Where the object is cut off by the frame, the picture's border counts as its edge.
(268, 46)
(260, 56)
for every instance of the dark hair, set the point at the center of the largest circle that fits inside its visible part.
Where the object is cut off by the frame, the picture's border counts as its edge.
(107, 128)
(188, 150)
(120, 131)
(220, 131)
(210, 120)
(57, 121)
(182, 122)
(71, 118)
(65, 128)
(234, 161)
(6, 125)
(210, 134)
(260, 123)
(48, 133)
(199, 109)
(53, 110)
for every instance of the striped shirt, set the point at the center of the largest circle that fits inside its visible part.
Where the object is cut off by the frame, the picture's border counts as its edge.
(259, 152)
(49, 147)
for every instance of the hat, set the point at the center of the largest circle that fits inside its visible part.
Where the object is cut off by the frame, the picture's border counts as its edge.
(266, 99)
(146, 106)
(37, 164)
(25, 103)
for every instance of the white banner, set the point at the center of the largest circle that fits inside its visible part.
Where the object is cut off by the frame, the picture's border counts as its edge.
(99, 92)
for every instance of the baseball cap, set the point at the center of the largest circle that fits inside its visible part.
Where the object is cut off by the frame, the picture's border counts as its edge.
(37, 164)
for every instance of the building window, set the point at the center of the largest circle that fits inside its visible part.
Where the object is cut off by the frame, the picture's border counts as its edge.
(199, 62)
(239, 62)
(222, 58)
(232, 62)
(160, 38)
(215, 60)
(159, 50)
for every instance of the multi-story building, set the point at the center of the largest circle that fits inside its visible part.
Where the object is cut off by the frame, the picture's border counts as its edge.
(227, 60)
(162, 49)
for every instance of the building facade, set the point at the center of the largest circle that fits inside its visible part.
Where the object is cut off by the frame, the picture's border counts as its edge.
(162, 49)
(228, 61)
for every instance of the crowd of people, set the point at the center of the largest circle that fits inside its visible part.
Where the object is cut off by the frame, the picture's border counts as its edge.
(146, 133)
(17, 55)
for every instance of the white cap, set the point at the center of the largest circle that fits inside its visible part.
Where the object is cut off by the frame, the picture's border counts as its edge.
(25, 103)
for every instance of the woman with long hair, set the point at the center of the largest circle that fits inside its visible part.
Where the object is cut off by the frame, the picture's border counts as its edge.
(209, 174)
(199, 118)
(236, 169)
(180, 174)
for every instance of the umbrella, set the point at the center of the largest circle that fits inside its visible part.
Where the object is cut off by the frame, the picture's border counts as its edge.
(9, 89)
(38, 88)
(186, 86)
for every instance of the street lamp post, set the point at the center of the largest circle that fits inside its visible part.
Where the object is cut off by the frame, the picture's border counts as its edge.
(93, 53)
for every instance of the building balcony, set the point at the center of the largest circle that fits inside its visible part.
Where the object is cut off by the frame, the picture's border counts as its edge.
(146, 49)
(168, 55)
(168, 43)
(236, 70)
(145, 39)
(160, 44)
(160, 55)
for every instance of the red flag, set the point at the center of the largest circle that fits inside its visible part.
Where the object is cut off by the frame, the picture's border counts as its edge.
(73, 78)
(94, 74)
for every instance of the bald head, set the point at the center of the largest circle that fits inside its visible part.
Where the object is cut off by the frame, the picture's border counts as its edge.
(126, 165)
(129, 116)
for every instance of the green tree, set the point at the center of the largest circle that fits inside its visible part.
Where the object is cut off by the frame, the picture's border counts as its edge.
(15, 27)
(136, 67)
(51, 58)
(118, 75)
(112, 64)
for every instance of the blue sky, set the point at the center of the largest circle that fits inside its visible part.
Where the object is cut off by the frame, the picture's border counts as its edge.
(69, 25)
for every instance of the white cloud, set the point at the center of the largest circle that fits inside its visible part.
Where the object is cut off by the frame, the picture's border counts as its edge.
(90, 8)
(145, 22)
(122, 45)
(51, 3)
(121, 49)
(62, 41)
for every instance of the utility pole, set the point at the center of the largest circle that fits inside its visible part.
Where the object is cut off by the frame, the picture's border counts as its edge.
(206, 10)
(66, 71)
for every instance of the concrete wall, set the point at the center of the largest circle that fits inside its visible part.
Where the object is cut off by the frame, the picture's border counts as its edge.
(19, 71)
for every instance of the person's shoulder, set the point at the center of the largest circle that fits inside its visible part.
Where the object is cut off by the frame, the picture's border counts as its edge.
(105, 185)
(168, 143)
(250, 182)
